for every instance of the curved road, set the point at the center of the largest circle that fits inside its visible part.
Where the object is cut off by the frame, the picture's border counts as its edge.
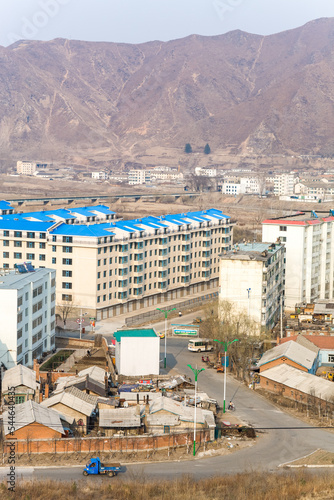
(283, 438)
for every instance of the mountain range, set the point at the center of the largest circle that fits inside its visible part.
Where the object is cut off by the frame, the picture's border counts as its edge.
(238, 91)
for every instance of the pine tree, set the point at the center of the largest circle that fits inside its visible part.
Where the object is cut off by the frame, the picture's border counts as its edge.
(207, 149)
(188, 148)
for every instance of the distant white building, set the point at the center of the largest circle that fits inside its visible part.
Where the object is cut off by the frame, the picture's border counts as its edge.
(100, 176)
(231, 187)
(284, 184)
(252, 278)
(206, 172)
(139, 177)
(27, 311)
(137, 352)
(309, 242)
(24, 167)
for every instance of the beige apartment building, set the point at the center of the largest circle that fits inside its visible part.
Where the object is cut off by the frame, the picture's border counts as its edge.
(25, 167)
(107, 266)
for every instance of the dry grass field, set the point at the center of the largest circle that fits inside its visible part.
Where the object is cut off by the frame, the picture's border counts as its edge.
(248, 486)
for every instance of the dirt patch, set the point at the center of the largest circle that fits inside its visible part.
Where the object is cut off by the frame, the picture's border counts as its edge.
(319, 457)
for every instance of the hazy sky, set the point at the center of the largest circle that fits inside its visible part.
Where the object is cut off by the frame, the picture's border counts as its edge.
(135, 21)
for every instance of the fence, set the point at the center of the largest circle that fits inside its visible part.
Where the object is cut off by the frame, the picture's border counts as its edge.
(186, 304)
(124, 444)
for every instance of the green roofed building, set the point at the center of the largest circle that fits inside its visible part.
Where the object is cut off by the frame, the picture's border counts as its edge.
(137, 352)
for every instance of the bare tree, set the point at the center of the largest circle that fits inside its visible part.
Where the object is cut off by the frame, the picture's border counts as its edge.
(65, 309)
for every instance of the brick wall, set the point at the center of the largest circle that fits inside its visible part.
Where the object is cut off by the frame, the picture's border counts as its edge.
(107, 444)
(280, 361)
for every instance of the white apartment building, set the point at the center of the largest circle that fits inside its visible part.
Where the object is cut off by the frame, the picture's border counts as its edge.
(206, 171)
(139, 177)
(230, 187)
(317, 190)
(25, 167)
(100, 176)
(284, 184)
(108, 266)
(252, 278)
(27, 310)
(309, 242)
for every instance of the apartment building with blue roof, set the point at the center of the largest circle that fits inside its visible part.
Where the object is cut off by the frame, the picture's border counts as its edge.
(108, 266)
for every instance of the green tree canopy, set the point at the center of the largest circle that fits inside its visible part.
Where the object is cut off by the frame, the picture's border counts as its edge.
(188, 148)
(207, 149)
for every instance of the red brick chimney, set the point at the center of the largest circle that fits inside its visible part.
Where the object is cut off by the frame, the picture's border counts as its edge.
(46, 391)
(36, 369)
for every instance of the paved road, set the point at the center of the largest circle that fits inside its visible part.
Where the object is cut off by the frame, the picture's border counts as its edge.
(282, 438)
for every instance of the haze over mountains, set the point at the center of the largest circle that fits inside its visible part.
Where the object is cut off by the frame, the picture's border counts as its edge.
(270, 94)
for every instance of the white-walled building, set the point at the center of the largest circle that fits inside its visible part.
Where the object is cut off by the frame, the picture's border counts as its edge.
(25, 167)
(139, 177)
(309, 242)
(252, 278)
(206, 171)
(137, 352)
(27, 311)
(100, 176)
(284, 184)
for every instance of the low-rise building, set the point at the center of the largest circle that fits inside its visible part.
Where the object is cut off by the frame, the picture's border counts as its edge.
(139, 177)
(25, 167)
(19, 384)
(27, 310)
(126, 421)
(74, 403)
(33, 421)
(252, 279)
(290, 353)
(137, 352)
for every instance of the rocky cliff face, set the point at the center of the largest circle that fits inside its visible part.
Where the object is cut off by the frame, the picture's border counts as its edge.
(258, 94)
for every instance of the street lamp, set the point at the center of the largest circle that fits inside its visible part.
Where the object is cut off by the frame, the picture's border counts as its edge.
(196, 373)
(165, 311)
(225, 344)
(248, 291)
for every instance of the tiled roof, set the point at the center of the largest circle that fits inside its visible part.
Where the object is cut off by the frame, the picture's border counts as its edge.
(291, 350)
(75, 399)
(19, 375)
(30, 412)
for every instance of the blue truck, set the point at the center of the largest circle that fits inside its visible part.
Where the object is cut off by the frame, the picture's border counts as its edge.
(95, 466)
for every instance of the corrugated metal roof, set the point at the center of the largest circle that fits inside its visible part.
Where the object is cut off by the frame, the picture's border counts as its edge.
(301, 381)
(73, 398)
(94, 372)
(19, 375)
(185, 413)
(120, 417)
(29, 412)
(147, 332)
(295, 352)
(17, 280)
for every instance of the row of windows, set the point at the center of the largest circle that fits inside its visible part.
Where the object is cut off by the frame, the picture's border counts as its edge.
(18, 255)
(30, 234)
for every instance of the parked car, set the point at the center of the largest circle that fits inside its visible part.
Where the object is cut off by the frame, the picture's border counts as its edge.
(161, 335)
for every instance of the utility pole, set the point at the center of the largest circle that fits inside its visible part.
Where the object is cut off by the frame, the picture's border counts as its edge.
(281, 312)
(166, 311)
(225, 344)
(196, 373)
(248, 291)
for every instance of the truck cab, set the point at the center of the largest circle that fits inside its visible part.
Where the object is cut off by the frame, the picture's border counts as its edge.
(95, 467)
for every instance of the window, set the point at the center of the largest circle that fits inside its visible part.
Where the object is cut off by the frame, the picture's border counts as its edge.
(330, 358)
(6, 243)
(19, 317)
(67, 298)
(30, 244)
(282, 228)
(30, 256)
(42, 257)
(67, 249)
(6, 233)
(67, 274)
(19, 301)
(5, 255)
(19, 333)
(42, 236)
(54, 238)
(30, 235)
(67, 285)
(42, 245)
(67, 239)
(17, 234)
(37, 307)
(54, 260)
(17, 255)
(67, 262)
(54, 248)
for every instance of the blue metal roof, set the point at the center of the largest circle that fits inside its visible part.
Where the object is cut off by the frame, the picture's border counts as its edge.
(25, 225)
(5, 205)
(95, 230)
(83, 211)
(101, 208)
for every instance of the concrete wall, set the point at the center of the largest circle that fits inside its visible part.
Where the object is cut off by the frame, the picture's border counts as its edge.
(138, 356)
